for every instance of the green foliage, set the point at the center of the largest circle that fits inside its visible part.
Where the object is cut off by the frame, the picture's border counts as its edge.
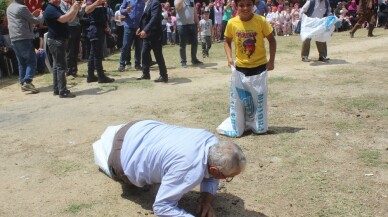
(75, 208)
(3, 7)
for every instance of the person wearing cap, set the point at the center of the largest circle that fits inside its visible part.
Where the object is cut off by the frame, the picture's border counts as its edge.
(205, 29)
(365, 13)
(178, 158)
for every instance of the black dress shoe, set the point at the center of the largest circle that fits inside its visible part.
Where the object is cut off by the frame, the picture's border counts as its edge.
(153, 63)
(144, 77)
(66, 94)
(324, 59)
(92, 79)
(162, 79)
(105, 79)
(196, 62)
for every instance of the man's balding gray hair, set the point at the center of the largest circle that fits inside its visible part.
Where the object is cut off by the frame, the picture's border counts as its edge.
(227, 157)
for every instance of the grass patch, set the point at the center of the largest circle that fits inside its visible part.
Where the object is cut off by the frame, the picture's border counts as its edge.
(343, 125)
(76, 208)
(370, 157)
(364, 104)
(281, 79)
(62, 168)
(377, 104)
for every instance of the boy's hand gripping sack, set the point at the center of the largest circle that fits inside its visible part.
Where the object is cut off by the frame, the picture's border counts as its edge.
(248, 105)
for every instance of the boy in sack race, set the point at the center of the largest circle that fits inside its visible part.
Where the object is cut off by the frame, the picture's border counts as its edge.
(249, 90)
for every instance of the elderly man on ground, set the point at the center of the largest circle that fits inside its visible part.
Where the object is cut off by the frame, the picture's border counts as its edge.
(150, 152)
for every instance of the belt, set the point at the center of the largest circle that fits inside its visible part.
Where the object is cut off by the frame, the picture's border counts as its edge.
(114, 160)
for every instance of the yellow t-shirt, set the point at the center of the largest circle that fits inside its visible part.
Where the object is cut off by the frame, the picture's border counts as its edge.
(248, 38)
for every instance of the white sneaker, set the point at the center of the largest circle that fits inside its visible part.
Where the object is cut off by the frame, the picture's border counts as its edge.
(29, 87)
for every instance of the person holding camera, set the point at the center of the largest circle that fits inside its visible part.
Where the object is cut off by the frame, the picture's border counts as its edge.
(57, 39)
(74, 40)
(98, 27)
(133, 11)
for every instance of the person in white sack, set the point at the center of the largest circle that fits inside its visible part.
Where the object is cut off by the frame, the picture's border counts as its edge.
(247, 31)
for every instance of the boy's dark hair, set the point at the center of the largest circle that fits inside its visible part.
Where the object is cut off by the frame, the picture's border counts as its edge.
(237, 1)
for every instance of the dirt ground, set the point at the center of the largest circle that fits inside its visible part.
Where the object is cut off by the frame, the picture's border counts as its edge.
(326, 152)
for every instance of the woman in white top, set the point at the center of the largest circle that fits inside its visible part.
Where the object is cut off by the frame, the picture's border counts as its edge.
(218, 12)
(119, 26)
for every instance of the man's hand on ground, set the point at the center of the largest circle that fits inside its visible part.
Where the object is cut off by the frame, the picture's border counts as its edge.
(205, 208)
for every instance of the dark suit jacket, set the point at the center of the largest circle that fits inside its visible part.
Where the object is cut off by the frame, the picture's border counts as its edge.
(151, 21)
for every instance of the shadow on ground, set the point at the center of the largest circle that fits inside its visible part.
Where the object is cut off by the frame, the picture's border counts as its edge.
(331, 62)
(272, 130)
(224, 204)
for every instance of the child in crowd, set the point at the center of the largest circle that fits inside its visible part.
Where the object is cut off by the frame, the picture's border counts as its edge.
(287, 22)
(295, 15)
(218, 14)
(170, 31)
(205, 28)
(273, 19)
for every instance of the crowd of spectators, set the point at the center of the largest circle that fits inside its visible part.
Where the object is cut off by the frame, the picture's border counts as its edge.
(283, 15)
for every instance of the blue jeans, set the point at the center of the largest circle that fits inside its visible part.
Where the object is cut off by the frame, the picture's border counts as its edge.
(188, 33)
(25, 54)
(58, 52)
(129, 38)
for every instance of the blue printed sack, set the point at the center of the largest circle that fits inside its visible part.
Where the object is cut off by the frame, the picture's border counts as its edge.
(248, 105)
(317, 29)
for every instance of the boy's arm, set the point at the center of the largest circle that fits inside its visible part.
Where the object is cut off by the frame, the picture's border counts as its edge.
(228, 51)
(272, 51)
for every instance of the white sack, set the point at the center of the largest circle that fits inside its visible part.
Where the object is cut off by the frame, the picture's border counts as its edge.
(248, 105)
(317, 29)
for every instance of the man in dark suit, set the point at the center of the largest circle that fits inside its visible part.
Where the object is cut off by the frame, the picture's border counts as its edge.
(151, 32)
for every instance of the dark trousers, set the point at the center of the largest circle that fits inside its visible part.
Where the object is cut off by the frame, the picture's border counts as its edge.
(206, 44)
(153, 42)
(321, 46)
(58, 52)
(73, 49)
(224, 23)
(95, 55)
(188, 33)
(119, 33)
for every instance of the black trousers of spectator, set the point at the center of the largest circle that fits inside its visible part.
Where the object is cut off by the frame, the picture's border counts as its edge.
(153, 42)
(72, 49)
